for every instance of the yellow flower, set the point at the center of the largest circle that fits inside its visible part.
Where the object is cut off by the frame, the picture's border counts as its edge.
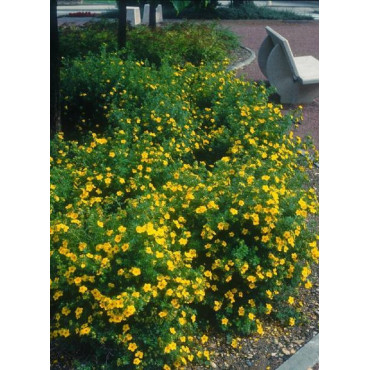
(241, 311)
(85, 331)
(112, 154)
(244, 268)
(172, 331)
(65, 311)
(183, 241)
(132, 347)
(135, 271)
(162, 314)
(251, 316)
(233, 211)
(291, 300)
(208, 274)
(217, 305)
(121, 229)
(139, 354)
(260, 329)
(136, 361)
(201, 209)
(224, 321)
(182, 321)
(268, 308)
(140, 229)
(291, 321)
(159, 254)
(100, 224)
(78, 312)
(117, 238)
(147, 288)
(82, 289)
(204, 339)
(130, 310)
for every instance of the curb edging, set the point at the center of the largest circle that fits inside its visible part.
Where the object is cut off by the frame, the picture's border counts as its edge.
(245, 62)
(304, 358)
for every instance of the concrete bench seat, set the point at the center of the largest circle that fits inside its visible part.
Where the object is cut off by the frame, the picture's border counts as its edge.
(308, 69)
(295, 78)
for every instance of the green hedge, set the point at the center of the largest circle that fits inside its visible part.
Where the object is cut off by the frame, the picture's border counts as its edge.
(181, 42)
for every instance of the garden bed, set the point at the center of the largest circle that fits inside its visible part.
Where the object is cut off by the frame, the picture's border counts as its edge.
(204, 238)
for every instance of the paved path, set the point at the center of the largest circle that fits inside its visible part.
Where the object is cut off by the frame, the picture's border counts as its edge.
(303, 37)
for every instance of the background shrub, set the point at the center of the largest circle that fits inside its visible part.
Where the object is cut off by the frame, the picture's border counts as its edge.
(247, 10)
(180, 42)
(189, 211)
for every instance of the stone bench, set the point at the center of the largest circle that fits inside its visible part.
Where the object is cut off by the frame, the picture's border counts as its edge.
(158, 14)
(295, 78)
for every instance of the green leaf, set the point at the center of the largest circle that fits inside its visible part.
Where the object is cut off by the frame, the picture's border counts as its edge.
(180, 5)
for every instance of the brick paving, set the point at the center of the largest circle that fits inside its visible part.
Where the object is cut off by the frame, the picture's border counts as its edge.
(303, 37)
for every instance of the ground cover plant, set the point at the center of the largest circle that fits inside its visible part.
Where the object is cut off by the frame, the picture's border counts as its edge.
(185, 207)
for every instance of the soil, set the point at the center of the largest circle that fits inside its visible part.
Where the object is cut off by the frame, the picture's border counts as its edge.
(238, 55)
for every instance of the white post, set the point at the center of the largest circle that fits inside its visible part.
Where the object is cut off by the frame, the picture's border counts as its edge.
(146, 14)
(133, 15)
(159, 13)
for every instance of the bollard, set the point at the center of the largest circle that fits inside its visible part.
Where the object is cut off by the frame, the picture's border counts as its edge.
(158, 14)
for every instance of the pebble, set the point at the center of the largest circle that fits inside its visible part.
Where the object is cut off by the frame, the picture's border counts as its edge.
(213, 365)
(286, 351)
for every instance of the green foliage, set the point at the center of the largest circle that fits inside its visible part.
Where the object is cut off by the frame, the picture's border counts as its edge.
(87, 83)
(185, 42)
(247, 10)
(85, 90)
(181, 42)
(79, 41)
(188, 211)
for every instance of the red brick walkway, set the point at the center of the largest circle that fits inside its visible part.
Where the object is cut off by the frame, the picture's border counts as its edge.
(303, 38)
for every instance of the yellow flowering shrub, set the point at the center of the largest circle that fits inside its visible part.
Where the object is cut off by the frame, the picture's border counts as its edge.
(189, 210)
